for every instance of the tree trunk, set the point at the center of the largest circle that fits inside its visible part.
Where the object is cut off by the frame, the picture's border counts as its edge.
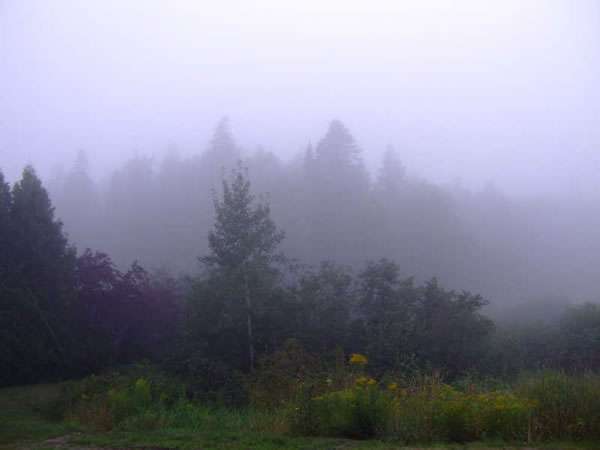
(36, 303)
(249, 318)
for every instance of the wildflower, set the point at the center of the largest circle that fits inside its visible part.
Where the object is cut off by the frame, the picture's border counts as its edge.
(371, 382)
(393, 386)
(357, 358)
(362, 380)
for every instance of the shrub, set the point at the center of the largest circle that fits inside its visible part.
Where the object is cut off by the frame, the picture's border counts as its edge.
(359, 412)
(279, 376)
(112, 398)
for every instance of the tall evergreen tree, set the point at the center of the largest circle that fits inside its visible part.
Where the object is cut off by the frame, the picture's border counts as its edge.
(338, 151)
(338, 198)
(5, 245)
(7, 340)
(222, 151)
(44, 257)
(39, 288)
(77, 204)
(391, 176)
(5, 206)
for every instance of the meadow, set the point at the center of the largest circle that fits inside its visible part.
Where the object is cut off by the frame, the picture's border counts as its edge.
(340, 406)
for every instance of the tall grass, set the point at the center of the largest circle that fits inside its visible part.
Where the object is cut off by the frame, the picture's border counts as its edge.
(119, 401)
(347, 403)
(565, 407)
(546, 406)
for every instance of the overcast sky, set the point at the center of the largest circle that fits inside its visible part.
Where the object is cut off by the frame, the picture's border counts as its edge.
(477, 90)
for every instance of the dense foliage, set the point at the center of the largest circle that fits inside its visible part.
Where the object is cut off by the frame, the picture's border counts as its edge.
(340, 401)
(63, 315)
(66, 315)
(510, 248)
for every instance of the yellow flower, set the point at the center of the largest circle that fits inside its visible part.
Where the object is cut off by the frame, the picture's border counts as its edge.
(393, 386)
(371, 381)
(362, 380)
(357, 358)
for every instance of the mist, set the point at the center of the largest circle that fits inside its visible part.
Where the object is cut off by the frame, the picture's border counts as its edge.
(490, 107)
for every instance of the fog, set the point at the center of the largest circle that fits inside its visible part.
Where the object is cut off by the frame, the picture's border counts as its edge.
(491, 108)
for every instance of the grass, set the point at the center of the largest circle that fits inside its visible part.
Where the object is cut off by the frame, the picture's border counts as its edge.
(24, 417)
(26, 422)
(30, 417)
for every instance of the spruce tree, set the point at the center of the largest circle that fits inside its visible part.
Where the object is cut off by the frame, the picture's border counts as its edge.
(391, 176)
(45, 259)
(38, 291)
(222, 151)
(5, 243)
(5, 205)
(338, 199)
(338, 150)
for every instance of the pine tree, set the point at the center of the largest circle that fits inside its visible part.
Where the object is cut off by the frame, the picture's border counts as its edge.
(45, 259)
(392, 173)
(7, 338)
(338, 198)
(37, 293)
(5, 205)
(222, 151)
(243, 247)
(78, 204)
(5, 237)
(339, 157)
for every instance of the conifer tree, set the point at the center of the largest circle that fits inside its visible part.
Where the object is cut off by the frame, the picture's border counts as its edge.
(45, 259)
(5, 238)
(392, 173)
(77, 203)
(222, 151)
(338, 149)
(37, 292)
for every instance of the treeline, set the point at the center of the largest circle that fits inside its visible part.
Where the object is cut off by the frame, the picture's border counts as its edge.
(64, 314)
(509, 249)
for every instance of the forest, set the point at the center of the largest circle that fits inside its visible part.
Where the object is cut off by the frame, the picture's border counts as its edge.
(303, 287)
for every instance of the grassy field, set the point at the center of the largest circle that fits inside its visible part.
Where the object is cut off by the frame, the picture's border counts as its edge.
(29, 419)
(26, 421)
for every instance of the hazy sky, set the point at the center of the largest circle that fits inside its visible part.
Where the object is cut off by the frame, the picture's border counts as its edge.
(477, 90)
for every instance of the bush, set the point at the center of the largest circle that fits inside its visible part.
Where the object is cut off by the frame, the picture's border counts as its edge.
(280, 374)
(359, 412)
(107, 400)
